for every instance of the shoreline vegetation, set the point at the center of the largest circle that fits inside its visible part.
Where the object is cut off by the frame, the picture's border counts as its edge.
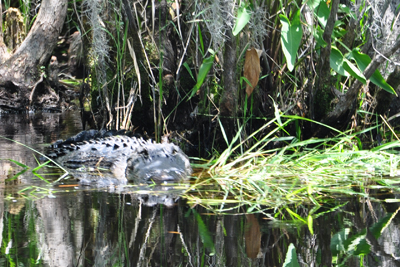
(300, 172)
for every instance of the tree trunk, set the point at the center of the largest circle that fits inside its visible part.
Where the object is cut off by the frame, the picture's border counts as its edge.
(321, 96)
(20, 73)
(228, 101)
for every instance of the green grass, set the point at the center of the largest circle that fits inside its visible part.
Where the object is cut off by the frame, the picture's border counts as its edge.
(314, 171)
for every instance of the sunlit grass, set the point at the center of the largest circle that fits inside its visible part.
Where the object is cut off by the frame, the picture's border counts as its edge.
(313, 171)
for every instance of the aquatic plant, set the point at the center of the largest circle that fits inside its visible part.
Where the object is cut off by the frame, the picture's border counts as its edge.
(280, 171)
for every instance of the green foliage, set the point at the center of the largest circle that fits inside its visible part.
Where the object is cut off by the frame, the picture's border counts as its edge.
(203, 71)
(291, 257)
(204, 233)
(336, 61)
(363, 61)
(318, 33)
(291, 35)
(321, 10)
(343, 244)
(343, 66)
(243, 17)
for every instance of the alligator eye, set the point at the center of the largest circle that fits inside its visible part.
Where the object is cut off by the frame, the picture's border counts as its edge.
(145, 153)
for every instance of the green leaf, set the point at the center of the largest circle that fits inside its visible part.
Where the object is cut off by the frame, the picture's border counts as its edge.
(338, 33)
(356, 244)
(318, 33)
(310, 224)
(294, 214)
(201, 40)
(389, 145)
(337, 241)
(277, 115)
(205, 235)
(41, 177)
(377, 228)
(345, 9)
(17, 175)
(336, 61)
(203, 71)
(322, 13)
(40, 166)
(19, 164)
(354, 71)
(186, 65)
(291, 35)
(363, 60)
(344, 67)
(245, 80)
(242, 19)
(291, 257)
(313, 4)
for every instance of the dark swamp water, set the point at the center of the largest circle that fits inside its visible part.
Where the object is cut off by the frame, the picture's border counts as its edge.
(65, 224)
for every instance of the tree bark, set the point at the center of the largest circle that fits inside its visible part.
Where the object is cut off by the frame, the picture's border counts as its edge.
(21, 71)
(321, 95)
(228, 101)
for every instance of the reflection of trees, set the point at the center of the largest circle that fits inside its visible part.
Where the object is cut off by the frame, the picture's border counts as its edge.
(34, 131)
(119, 229)
(54, 232)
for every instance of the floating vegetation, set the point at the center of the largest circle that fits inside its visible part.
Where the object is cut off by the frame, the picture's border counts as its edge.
(313, 171)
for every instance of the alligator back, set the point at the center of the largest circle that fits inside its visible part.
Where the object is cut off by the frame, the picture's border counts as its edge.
(124, 158)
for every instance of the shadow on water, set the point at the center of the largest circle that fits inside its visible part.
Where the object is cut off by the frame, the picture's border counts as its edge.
(66, 224)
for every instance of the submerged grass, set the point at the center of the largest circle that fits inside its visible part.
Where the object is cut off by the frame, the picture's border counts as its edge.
(313, 171)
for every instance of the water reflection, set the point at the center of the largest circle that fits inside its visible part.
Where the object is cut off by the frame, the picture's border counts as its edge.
(67, 224)
(89, 228)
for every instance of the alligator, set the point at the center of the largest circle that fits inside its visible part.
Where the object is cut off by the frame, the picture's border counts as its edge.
(92, 156)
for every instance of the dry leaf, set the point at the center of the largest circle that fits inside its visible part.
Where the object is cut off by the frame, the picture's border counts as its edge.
(251, 69)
